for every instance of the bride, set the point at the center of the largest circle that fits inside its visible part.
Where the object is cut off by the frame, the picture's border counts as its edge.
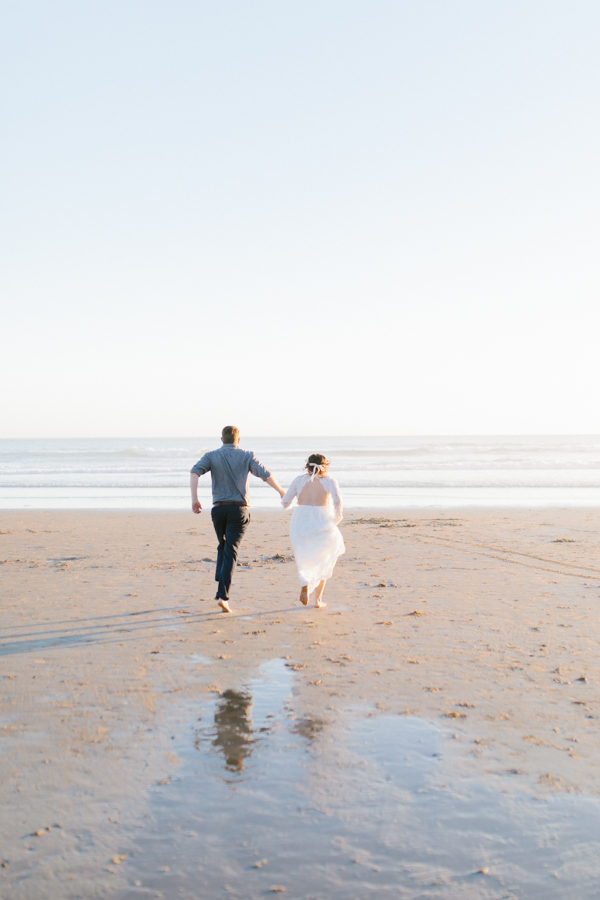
(316, 539)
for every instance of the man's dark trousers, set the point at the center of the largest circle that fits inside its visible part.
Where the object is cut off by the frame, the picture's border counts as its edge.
(230, 525)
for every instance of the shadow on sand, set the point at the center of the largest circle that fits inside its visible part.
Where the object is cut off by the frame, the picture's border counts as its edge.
(106, 629)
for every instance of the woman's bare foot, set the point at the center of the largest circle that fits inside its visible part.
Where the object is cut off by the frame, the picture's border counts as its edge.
(304, 595)
(319, 595)
(224, 604)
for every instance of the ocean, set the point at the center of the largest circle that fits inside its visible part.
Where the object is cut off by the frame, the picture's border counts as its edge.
(373, 472)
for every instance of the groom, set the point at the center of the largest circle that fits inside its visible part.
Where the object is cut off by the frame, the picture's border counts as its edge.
(229, 467)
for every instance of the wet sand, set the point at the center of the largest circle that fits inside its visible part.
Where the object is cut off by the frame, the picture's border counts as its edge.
(480, 625)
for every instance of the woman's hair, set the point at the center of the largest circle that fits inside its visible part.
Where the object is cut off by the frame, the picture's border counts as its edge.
(317, 459)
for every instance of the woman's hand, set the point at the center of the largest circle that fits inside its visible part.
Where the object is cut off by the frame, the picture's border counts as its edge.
(196, 506)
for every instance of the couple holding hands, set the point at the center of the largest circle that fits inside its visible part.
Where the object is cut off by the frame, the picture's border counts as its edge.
(316, 539)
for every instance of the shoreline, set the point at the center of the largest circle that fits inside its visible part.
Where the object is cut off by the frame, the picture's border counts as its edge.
(482, 507)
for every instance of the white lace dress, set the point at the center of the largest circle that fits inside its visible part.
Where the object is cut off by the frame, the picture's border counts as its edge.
(316, 539)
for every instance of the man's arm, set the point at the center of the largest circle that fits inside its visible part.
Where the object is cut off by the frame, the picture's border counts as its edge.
(201, 468)
(274, 484)
(259, 471)
(196, 505)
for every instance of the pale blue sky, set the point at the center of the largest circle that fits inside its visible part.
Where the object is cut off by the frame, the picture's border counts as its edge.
(330, 217)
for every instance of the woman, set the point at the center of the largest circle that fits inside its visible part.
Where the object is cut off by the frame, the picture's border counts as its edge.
(316, 539)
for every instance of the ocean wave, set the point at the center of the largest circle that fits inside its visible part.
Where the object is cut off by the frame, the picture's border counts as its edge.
(133, 452)
(94, 485)
(415, 457)
(471, 461)
(153, 452)
(344, 485)
(341, 469)
(6, 471)
(383, 452)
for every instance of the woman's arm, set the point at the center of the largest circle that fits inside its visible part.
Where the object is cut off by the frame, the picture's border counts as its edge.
(290, 495)
(334, 489)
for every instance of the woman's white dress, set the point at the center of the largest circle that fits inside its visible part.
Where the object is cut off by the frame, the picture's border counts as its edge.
(316, 539)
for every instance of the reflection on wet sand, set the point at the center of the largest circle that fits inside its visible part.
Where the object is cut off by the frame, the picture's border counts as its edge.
(242, 718)
(379, 794)
(308, 727)
(245, 716)
(234, 728)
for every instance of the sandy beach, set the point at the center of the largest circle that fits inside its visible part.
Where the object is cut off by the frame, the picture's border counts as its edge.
(482, 624)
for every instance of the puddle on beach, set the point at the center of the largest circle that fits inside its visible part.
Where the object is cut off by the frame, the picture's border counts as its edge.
(199, 659)
(346, 807)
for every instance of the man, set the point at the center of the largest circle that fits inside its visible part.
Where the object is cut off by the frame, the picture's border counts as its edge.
(229, 467)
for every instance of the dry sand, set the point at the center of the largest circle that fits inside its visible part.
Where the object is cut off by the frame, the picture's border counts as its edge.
(482, 621)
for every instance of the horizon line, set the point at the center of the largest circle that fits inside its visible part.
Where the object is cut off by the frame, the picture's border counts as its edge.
(216, 436)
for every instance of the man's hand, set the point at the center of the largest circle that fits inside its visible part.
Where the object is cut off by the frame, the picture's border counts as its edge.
(196, 506)
(275, 484)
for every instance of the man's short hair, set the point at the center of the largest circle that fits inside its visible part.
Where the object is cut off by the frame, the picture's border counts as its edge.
(230, 434)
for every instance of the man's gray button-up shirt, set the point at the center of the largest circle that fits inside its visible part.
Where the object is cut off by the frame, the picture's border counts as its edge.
(229, 467)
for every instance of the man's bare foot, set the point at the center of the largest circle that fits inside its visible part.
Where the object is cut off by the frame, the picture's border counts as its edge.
(224, 605)
(304, 595)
